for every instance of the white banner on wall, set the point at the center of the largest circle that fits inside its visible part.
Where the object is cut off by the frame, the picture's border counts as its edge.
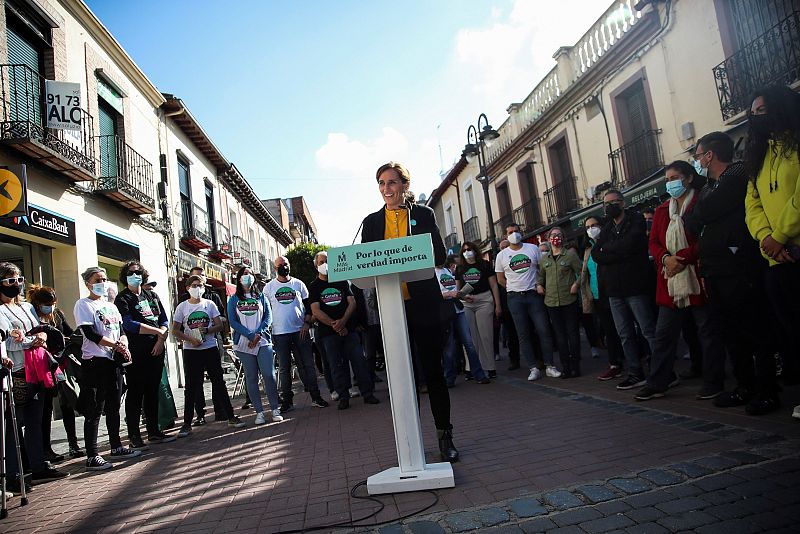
(63, 105)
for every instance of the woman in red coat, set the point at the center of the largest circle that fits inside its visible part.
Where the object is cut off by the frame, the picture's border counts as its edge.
(678, 288)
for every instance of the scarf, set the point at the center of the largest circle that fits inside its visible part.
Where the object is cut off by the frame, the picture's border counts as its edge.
(685, 283)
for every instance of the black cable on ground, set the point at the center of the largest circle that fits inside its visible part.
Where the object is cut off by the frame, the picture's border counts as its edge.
(353, 522)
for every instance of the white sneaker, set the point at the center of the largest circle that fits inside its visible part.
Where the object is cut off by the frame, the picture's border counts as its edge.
(354, 392)
(334, 396)
(260, 418)
(497, 357)
(796, 412)
(536, 374)
(552, 372)
(276, 415)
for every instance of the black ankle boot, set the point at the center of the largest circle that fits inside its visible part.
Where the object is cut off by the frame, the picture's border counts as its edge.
(576, 368)
(446, 447)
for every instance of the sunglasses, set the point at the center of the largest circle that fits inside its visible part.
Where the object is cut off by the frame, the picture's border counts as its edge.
(138, 271)
(13, 281)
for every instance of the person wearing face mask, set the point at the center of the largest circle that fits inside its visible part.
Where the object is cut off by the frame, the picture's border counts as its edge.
(251, 317)
(678, 290)
(625, 276)
(733, 271)
(558, 282)
(144, 320)
(517, 270)
(101, 325)
(291, 322)
(595, 303)
(772, 210)
(333, 306)
(482, 305)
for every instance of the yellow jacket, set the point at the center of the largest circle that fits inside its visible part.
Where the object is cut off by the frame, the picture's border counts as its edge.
(773, 206)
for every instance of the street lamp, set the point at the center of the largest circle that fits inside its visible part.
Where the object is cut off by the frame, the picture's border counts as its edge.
(475, 149)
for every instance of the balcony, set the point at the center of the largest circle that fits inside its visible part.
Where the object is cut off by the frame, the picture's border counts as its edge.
(501, 223)
(451, 241)
(472, 230)
(241, 251)
(195, 227)
(528, 216)
(772, 58)
(221, 248)
(560, 199)
(125, 176)
(633, 162)
(22, 125)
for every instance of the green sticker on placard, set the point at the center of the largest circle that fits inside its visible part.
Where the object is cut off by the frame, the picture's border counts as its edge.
(380, 257)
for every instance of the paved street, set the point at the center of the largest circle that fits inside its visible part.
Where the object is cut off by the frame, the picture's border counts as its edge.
(561, 456)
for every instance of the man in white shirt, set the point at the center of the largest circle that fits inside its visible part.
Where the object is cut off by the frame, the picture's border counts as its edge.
(291, 320)
(516, 268)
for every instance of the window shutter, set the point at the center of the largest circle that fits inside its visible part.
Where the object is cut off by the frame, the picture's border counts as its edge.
(25, 90)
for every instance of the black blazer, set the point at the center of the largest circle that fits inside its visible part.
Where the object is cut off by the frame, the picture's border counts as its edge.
(425, 294)
(623, 267)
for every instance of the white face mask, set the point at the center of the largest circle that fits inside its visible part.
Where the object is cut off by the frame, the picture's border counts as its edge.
(593, 232)
(247, 280)
(322, 268)
(196, 292)
(469, 255)
(99, 289)
(515, 238)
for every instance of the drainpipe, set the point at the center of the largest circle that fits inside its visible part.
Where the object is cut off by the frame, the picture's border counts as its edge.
(460, 212)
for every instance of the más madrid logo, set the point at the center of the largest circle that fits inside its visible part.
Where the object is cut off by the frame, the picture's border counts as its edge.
(472, 275)
(447, 281)
(331, 297)
(285, 295)
(197, 319)
(247, 306)
(520, 263)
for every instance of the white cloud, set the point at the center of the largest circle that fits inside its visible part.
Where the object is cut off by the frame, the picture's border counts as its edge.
(341, 155)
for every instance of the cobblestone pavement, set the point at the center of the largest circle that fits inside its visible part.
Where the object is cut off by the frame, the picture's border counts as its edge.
(555, 455)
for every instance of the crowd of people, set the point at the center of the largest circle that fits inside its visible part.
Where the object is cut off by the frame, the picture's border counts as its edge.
(718, 262)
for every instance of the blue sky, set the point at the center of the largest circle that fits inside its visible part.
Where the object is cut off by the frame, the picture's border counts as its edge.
(308, 98)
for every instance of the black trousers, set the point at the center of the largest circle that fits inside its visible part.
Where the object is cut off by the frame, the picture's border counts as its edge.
(100, 392)
(782, 283)
(616, 356)
(144, 379)
(427, 334)
(564, 320)
(67, 417)
(196, 364)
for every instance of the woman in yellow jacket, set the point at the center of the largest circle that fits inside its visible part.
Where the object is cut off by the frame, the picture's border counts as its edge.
(772, 207)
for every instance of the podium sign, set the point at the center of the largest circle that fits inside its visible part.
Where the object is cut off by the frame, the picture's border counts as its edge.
(384, 265)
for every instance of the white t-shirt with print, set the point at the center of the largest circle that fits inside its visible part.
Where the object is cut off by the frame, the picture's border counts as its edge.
(249, 311)
(104, 317)
(519, 266)
(447, 283)
(193, 316)
(286, 300)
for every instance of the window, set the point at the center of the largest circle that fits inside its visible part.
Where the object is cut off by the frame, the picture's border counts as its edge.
(234, 223)
(184, 181)
(469, 200)
(27, 37)
(211, 213)
(449, 221)
(503, 200)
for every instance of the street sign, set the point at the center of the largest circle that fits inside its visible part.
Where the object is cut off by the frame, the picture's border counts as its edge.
(63, 105)
(13, 191)
(380, 258)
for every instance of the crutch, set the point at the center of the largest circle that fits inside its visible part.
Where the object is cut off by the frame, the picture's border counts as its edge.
(7, 398)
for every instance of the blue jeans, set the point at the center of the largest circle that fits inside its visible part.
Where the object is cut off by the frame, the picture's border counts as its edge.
(285, 345)
(459, 329)
(526, 307)
(343, 352)
(252, 364)
(625, 311)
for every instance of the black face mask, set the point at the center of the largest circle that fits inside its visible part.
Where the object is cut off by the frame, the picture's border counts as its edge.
(11, 291)
(613, 211)
(762, 125)
(649, 223)
(283, 270)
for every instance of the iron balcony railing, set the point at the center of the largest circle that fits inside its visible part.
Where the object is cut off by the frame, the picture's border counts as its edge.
(451, 241)
(241, 251)
(125, 175)
(221, 246)
(528, 216)
(501, 224)
(561, 199)
(633, 162)
(262, 265)
(771, 58)
(195, 227)
(23, 124)
(472, 230)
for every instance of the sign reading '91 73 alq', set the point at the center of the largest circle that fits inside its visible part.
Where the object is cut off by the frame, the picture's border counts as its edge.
(63, 105)
(380, 257)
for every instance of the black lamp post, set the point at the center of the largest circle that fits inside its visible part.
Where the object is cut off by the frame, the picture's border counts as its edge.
(475, 148)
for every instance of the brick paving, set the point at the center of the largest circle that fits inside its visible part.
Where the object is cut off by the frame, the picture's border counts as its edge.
(556, 455)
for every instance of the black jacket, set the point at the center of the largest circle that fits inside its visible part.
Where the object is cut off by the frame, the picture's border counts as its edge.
(623, 267)
(425, 294)
(718, 218)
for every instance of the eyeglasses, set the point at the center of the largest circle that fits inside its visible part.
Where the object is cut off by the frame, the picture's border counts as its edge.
(138, 271)
(699, 155)
(13, 281)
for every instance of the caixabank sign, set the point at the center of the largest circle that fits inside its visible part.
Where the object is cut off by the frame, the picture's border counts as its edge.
(43, 223)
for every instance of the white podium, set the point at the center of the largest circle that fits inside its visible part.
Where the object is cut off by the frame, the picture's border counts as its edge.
(412, 473)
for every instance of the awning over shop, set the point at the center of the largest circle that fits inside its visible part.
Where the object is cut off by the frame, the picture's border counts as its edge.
(213, 271)
(643, 192)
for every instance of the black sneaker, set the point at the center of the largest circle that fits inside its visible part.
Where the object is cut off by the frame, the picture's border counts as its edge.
(185, 431)
(673, 381)
(286, 406)
(52, 456)
(160, 438)
(47, 475)
(124, 452)
(763, 404)
(200, 421)
(492, 374)
(632, 382)
(246, 406)
(319, 402)
(136, 443)
(235, 422)
(648, 393)
(707, 393)
(75, 451)
(729, 399)
(513, 366)
(344, 404)
(371, 399)
(468, 376)
(97, 463)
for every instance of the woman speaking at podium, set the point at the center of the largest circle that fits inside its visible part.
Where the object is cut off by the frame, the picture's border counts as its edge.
(401, 217)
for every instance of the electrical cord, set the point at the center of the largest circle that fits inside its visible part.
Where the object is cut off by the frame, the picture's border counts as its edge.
(353, 523)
